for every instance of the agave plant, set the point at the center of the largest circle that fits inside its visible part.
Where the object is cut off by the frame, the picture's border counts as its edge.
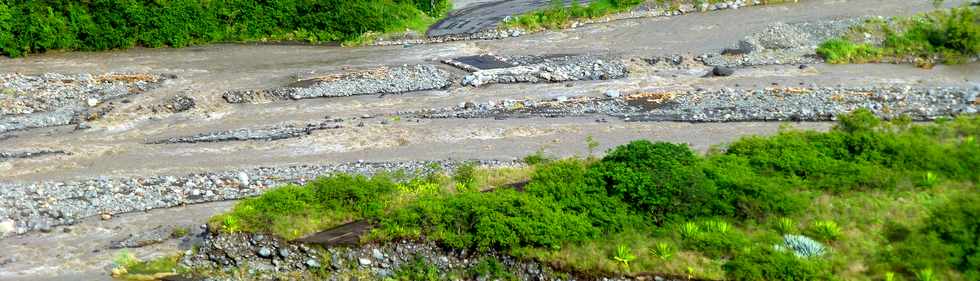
(825, 229)
(717, 226)
(803, 246)
(663, 251)
(926, 274)
(930, 179)
(785, 226)
(624, 255)
(690, 230)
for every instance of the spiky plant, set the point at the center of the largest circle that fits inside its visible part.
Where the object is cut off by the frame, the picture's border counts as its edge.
(926, 274)
(690, 230)
(717, 226)
(825, 230)
(663, 251)
(624, 255)
(785, 226)
(803, 246)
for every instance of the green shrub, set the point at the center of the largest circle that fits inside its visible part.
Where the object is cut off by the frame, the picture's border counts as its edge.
(742, 192)
(713, 239)
(504, 219)
(824, 230)
(663, 251)
(491, 269)
(770, 264)
(291, 211)
(661, 179)
(863, 152)
(843, 51)
(569, 183)
(417, 269)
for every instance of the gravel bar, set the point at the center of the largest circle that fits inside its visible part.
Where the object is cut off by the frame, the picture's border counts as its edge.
(384, 80)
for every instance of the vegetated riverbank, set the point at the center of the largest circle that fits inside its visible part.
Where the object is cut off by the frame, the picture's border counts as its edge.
(737, 213)
(37, 26)
(944, 36)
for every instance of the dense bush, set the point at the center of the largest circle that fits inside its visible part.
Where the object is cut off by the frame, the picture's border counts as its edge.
(570, 183)
(862, 152)
(292, 210)
(661, 179)
(504, 219)
(38, 25)
(949, 239)
(772, 264)
(669, 182)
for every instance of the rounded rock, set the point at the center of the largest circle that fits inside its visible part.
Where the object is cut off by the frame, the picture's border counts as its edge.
(265, 252)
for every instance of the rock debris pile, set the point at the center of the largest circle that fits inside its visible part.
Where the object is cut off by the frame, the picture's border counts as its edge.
(286, 131)
(782, 43)
(384, 80)
(726, 104)
(268, 256)
(51, 99)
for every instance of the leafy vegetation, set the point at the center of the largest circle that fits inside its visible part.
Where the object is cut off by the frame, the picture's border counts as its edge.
(127, 266)
(30, 26)
(947, 36)
(736, 213)
(558, 15)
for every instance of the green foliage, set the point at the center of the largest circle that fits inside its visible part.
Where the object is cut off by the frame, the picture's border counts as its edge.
(925, 274)
(491, 269)
(503, 219)
(824, 230)
(948, 36)
(948, 239)
(624, 255)
(538, 157)
(570, 184)
(713, 238)
(465, 178)
(768, 264)
(179, 232)
(663, 251)
(127, 266)
(668, 182)
(31, 26)
(785, 226)
(559, 15)
(592, 144)
(863, 153)
(417, 269)
(292, 211)
(843, 51)
(661, 179)
(929, 179)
